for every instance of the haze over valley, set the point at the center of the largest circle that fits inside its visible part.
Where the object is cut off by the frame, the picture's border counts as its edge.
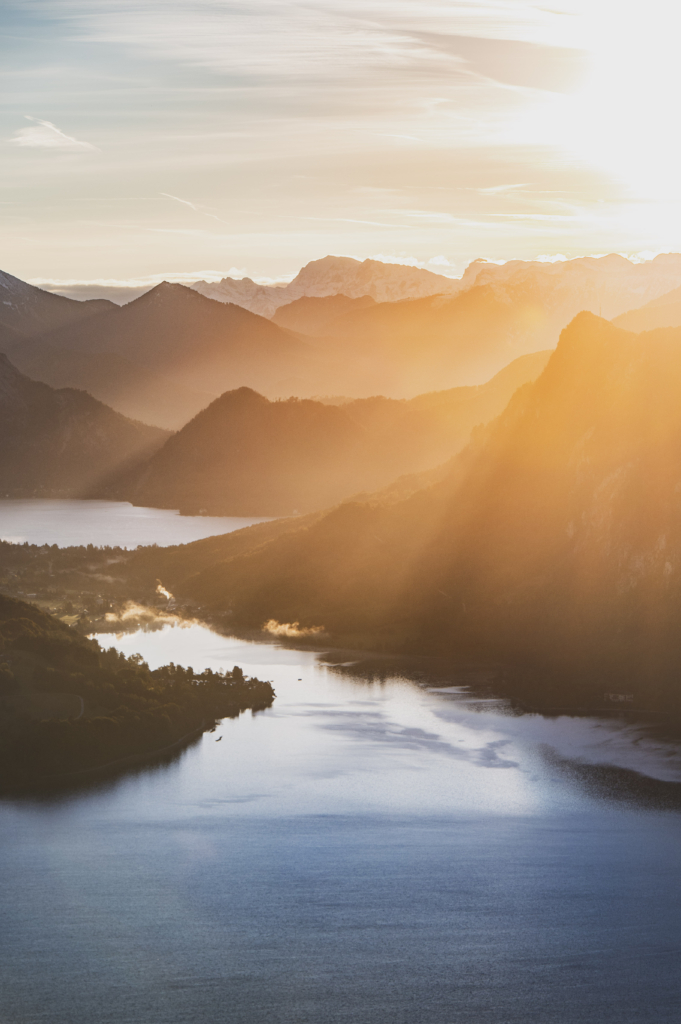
(340, 513)
(416, 499)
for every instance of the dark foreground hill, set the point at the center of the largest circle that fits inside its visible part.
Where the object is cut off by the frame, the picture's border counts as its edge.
(62, 442)
(67, 706)
(554, 545)
(245, 455)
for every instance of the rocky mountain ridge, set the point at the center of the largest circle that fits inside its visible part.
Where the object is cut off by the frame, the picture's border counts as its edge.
(332, 275)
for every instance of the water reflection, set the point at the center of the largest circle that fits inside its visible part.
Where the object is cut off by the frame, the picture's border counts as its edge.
(338, 739)
(369, 850)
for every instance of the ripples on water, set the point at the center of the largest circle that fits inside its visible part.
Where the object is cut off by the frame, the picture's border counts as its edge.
(364, 852)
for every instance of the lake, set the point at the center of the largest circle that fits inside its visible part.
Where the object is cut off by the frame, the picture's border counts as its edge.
(372, 852)
(116, 523)
(367, 851)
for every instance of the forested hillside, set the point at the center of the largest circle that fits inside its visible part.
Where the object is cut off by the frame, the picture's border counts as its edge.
(67, 706)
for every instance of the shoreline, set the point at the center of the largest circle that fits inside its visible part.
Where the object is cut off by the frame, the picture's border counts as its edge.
(129, 761)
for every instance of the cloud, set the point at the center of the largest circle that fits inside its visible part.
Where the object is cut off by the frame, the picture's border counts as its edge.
(431, 216)
(501, 188)
(45, 135)
(194, 207)
(514, 62)
(185, 202)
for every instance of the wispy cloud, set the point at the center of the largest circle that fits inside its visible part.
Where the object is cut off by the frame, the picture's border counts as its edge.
(501, 188)
(303, 123)
(185, 202)
(194, 207)
(45, 135)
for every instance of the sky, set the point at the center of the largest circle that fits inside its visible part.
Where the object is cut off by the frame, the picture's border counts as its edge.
(165, 138)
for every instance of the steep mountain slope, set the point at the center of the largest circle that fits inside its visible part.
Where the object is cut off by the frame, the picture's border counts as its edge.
(662, 312)
(62, 442)
(555, 543)
(244, 455)
(30, 310)
(165, 355)
(332, 275)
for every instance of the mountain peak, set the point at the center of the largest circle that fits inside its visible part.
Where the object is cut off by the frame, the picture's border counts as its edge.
(334, 275)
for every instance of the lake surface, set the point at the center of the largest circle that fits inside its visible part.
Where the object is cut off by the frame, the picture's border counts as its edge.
(115, 523)
(364, 852)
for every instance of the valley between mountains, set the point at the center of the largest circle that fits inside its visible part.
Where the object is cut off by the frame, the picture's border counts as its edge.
(508, 495)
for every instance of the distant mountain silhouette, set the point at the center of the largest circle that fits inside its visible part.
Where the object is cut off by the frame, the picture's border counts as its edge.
(554, 545)
(604, 285)
(662, 312)
(332, 275)
(245, 455)
(165, 355)
(500, 312)
(60, 443)
(312, 315)
(131, 388)
(168, 354)
(30, 310)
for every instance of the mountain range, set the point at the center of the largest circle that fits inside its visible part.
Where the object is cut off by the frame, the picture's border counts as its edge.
(604, 285)
(607, 285)
(61, 443)
(166, 355)
(247, 456)
(554, 542)
(499, 313)
(463, 334)
(160, 358)
(332, 275)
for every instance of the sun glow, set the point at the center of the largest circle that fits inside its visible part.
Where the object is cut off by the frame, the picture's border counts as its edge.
(623, 117)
